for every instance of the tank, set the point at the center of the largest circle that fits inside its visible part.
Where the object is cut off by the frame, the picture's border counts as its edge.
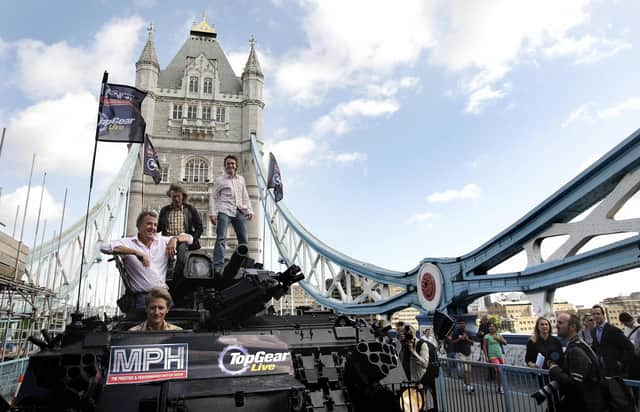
(232, 354)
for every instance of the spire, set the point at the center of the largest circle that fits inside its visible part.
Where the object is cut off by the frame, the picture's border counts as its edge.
(148, 55)
(252, 66)
(203, 28)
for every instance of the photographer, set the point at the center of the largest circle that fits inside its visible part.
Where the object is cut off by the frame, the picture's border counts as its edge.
(414, 363)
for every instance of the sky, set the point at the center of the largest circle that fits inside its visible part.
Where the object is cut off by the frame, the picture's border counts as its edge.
(403, 130)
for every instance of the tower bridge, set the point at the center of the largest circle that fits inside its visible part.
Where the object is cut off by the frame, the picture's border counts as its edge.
(198, 111)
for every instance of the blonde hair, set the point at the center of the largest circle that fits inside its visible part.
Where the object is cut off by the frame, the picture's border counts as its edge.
(536, 332)
(157, 293)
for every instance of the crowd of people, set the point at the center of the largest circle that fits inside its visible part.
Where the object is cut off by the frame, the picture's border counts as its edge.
(577, 359)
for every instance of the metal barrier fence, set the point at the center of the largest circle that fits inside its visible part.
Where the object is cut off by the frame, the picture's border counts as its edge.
(10, 372)
(485, 394)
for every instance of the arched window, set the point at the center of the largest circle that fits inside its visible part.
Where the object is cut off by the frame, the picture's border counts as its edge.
(196, 170)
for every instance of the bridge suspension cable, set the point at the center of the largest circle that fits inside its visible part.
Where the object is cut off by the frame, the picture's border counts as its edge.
(56, 263)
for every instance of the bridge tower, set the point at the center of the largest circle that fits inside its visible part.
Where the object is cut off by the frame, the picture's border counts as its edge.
(197, 111)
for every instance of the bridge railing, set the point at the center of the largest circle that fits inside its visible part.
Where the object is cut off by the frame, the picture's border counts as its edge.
(10, 372)
(517, 383)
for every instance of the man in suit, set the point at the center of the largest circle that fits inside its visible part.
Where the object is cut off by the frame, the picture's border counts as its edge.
(614, 350)
(180, 217)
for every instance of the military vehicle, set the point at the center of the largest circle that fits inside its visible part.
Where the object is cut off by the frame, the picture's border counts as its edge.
(225, 359)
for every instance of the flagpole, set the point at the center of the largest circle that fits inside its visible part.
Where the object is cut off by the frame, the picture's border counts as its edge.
(142, 184)
(105, 77)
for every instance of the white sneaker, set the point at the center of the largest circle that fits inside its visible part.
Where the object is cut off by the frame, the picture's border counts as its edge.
(500, 390)
(471, 389)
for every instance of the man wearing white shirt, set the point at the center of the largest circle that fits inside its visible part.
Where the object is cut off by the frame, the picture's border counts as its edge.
(146, 255)
(229, 203)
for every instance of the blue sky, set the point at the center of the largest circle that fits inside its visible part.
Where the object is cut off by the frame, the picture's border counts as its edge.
(403, 131)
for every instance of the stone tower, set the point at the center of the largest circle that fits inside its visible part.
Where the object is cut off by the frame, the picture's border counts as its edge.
(198, 111)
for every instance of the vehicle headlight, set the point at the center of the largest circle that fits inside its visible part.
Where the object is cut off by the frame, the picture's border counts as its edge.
(198, 267)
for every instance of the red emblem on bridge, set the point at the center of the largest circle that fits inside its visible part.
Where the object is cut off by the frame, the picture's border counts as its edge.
(428, 286)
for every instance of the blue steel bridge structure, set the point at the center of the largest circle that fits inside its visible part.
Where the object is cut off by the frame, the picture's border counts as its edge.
(582, 210)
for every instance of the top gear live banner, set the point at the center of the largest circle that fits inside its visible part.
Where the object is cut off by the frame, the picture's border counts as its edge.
(120, 116)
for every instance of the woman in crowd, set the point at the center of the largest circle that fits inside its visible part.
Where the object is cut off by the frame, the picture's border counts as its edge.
(492, 349)
(542, 343)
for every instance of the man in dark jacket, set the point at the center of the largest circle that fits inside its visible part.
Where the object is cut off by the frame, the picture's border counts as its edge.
(180, 217)
(614, 350)
(577, 376)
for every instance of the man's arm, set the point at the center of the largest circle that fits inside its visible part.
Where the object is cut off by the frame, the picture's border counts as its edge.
(196, 222)
(117, 248)
(423, 356)
(624, 345)
(579, 366)
(172, 243)
(213, 198)
(162, 220)
(246, 200)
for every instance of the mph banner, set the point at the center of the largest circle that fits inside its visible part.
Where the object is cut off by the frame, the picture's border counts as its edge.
(135, 359)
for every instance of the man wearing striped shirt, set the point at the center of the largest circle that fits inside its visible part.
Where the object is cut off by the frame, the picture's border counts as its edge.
(229, 203)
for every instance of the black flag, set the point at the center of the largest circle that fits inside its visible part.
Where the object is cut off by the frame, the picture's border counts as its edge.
(120, 117)
(151, 163)
(274, 181)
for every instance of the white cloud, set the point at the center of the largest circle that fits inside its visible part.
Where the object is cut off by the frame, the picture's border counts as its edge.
(51, 210)
(419, 218)
(62, 132)
(391, 87)
(481, 97)
(479, 42)
(585, 111)
(303, 151)
(338, 121)
(470, 191)
(586, 49)
(295, 152)
(345, 51)
(348, 157)
(631, 104)
(50, 71)
(482, 41)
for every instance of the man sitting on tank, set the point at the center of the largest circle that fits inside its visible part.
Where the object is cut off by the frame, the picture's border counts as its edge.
(146, 255)
(157, 303)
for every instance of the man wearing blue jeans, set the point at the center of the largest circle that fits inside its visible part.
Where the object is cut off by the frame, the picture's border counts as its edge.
(229, 203)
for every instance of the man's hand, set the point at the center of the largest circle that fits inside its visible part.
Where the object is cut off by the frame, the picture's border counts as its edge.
(144, 259)
(214, 219)
(171, 247)
(249, 216)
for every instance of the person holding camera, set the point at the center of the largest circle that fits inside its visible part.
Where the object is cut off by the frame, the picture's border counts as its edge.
(414, 363)
(414, 357)
(461, 344)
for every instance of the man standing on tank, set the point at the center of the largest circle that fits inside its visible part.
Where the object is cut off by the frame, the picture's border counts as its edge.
(229, 203)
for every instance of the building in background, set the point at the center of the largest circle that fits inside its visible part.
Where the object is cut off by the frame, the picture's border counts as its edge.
(615, 306)
(295, 299)
(197, 111)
